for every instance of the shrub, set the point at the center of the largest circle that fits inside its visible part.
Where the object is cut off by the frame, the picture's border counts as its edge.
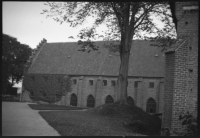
(47, 88)
(11, 98)
(189, 123)
(189, 126)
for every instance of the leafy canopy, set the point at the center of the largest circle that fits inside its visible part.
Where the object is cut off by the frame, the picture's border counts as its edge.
(14, 57)
(141, 17)
(47, 88)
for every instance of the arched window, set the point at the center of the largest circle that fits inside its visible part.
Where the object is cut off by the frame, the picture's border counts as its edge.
(130, 100)
(151, 106)
(73, 100)
(109, 99)
(90, 101)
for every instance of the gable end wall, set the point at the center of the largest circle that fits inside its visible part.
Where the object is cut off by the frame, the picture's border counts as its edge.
(180, 85)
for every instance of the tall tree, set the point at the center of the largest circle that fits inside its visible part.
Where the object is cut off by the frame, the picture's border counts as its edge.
(125, 21)
(14, 57)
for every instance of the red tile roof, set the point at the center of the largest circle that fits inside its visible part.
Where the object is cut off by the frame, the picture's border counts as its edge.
(64, 58)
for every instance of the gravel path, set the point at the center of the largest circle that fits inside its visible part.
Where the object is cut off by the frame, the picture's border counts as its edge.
(18, 119)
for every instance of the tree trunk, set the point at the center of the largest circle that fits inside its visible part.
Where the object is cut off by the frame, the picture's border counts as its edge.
(123, 72)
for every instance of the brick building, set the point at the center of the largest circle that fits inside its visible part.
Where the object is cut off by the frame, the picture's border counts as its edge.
(94, 75)
(181, 67)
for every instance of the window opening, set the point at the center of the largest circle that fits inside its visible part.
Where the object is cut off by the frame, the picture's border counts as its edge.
(136, 84)
(104, 82)
(113, 83)
(151, 85)
(91, 82)
(74, 81)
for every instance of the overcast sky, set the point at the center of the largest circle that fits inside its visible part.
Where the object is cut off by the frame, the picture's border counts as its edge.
(23, 21)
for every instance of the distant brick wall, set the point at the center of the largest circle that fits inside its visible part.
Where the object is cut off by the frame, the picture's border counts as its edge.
(161, 95)
(82, 89)
(51, 84)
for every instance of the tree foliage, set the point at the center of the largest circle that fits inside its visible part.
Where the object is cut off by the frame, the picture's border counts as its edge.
(189, 122)
(124, 21)
(139, 17)
(14, 57)
(47, 88)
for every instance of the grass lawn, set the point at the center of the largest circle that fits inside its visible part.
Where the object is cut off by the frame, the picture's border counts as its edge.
(53, 107)
(105, 120)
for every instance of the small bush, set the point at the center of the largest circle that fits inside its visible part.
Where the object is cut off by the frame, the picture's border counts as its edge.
(47, 88)
(189, 123)
(11, 98)
(189, 126)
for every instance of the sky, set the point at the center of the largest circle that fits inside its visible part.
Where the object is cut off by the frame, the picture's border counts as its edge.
(23, 21)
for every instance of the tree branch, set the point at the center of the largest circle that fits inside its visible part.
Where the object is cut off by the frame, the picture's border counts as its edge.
(134, 11)
(117, 15)
(144, 15)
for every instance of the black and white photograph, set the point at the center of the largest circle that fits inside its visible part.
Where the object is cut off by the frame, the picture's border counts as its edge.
(97, 68)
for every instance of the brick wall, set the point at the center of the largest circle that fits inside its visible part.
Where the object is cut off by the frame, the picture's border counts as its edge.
(180, 85)
(186, 71)
(192, 90)
(168, 88)
(161, 95)
(83, 89)
(181, 69)
(140, 95)
(150, 92)
(52, 84)
(187, 19)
